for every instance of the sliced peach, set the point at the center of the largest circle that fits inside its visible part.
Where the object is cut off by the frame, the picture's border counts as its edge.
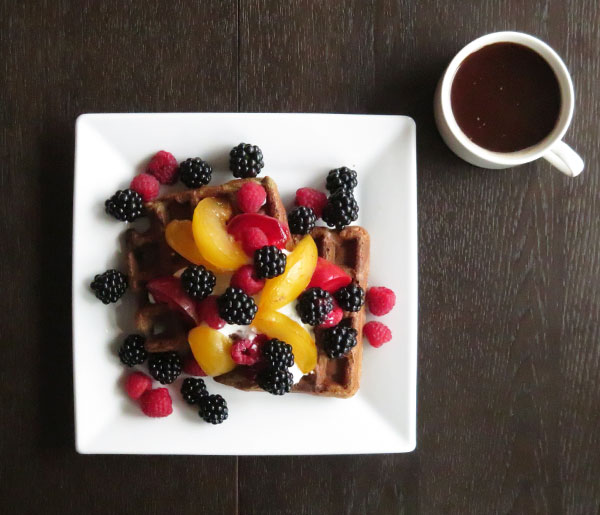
(299, 269)
(180, 238)
(215, 244)
(211, 349)
(277, 325)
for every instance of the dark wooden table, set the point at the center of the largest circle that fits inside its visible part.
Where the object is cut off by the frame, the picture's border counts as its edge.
(509, 348)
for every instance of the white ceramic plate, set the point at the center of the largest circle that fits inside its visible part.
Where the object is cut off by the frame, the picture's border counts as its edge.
(299, 150)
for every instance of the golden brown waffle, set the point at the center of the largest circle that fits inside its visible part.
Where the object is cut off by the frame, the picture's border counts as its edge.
(148, 256)
(349, 249)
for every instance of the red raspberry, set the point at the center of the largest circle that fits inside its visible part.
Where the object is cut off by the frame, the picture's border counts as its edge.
(312, 198)
(191, 367)
(164, 167)
(377, 333)
(146, 185)
(157, 403)
(260, 339)
(209, 312)
(381, 300)
(245, 352)
(136, 384)
(253, 239)
(250, 197)
(245, 279)
(334, 317)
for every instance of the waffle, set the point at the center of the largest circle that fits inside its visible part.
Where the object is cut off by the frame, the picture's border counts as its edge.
(148, 256)
(349, 249)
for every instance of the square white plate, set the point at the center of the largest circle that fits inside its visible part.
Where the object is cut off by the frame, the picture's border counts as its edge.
(299, 150)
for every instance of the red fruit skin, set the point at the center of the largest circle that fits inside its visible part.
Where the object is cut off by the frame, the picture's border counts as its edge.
(245, 352)
(191, 367)
(334, 317)
(377, 333)
(146, 185)
(156, 403)
(245, 279)
(136, 384)
(328, 276)
(253, 239)
(276, 233)
(312, 198)
(168, 290)
(164, 167)
(380, 300)
(250, 197)
(208, 312)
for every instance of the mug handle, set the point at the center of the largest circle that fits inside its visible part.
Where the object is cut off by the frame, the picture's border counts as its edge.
(563, 157)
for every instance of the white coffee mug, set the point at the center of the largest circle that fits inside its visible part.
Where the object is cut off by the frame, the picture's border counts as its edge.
(551, 148)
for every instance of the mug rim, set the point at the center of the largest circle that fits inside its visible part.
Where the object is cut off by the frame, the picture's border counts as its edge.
(565, 84)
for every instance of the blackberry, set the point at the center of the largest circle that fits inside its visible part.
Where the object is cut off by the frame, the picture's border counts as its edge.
(198, 282)
(314, 305)
(269, 262)
(341, 178)
(351, 297)
(246, 160)
(132, 351)
(109, 286)
(165, 367)
(236, 307)
(301, 220)
(341, 209)
(194, 172)
(338, 341)
(125, 205)
(213, 409)
(277, 354)
(275, 380)
(193, 389)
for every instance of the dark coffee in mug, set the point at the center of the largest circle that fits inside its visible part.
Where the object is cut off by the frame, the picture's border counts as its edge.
(505, 97)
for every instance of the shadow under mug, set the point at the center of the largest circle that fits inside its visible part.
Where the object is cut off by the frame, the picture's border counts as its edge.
(551, 148)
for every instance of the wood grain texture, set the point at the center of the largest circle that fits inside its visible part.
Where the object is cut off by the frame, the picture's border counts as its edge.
(509, 361)
(61, 59)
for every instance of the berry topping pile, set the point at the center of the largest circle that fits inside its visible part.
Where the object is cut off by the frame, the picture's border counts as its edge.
(228, 263)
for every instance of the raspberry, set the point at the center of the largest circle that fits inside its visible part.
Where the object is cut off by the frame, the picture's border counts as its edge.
(136, 384)
(245, 352)
(253, 239)
(377, 333)
(250, 197)
(245, 279)
(157, 403)
(163, 166)
(146, 185)
(209, 312)
(334, 317)
(380, 300)
(191, 367)
(312, 198)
